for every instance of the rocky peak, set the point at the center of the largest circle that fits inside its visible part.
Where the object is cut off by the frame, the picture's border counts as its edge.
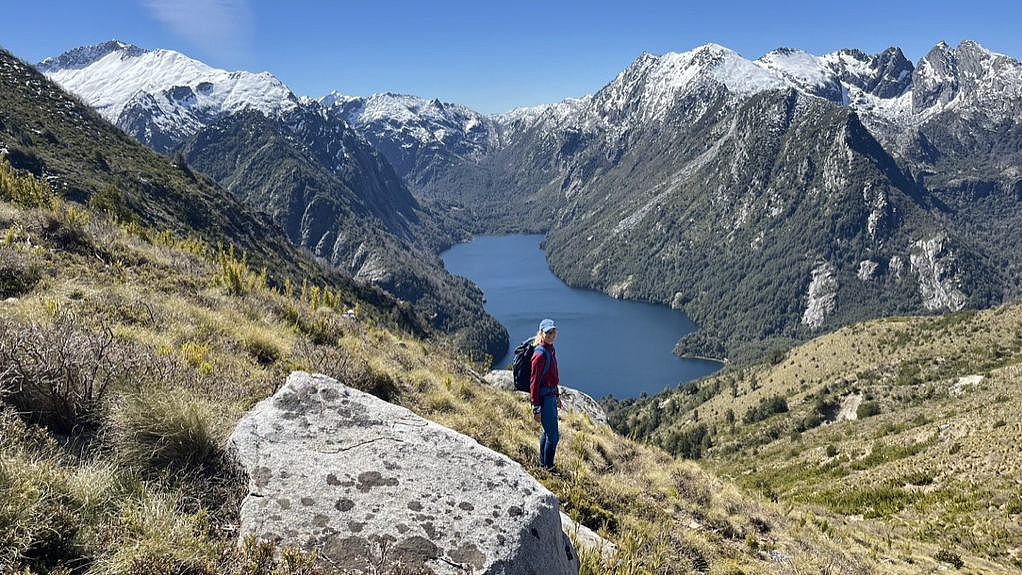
(973, 64)
(894, 74)
(184, 90)
(85, 56)
(935, 80)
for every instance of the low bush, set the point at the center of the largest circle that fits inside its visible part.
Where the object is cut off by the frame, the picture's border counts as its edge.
(66, 228)
(348, 369)
(949, 557)
(22, 188)
(262, 347)
(18, 273)
(57, 376)
(767, 407)
(867, 409)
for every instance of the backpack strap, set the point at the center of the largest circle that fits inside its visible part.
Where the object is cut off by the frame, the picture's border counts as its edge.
(546, 364)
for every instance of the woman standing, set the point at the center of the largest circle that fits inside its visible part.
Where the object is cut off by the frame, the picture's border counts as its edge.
(546, 397)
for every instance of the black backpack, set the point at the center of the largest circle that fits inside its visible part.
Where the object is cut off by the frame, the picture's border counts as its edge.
(521, 367)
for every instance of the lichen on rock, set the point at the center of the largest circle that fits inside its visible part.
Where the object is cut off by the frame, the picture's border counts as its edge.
(362, 482)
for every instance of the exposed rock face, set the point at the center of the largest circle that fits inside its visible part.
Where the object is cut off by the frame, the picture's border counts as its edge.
(571, 399)
(934, 262)
(820, 300)
(936, 78)
(850, 407)
(867, 270)
(366, 484)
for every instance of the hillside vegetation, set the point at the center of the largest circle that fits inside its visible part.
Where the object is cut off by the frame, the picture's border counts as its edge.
(907, 426)
(129, 352)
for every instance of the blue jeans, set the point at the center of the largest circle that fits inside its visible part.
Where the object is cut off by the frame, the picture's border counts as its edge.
(550, 436)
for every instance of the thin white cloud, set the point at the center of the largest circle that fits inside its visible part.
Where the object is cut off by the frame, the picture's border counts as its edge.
(221, 27)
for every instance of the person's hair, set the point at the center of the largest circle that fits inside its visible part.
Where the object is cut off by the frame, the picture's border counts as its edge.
(538, 339)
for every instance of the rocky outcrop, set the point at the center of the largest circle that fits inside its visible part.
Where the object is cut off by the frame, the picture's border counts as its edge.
(368, 486)
(934, 263)
(572, 399)
(821, 299)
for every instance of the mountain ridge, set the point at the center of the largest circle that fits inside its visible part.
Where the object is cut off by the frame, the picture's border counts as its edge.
(550, 169)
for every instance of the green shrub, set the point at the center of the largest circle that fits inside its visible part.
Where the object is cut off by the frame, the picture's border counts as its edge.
(870, 502)
(66, 230)
(109, 200)
(950, 557)
(23, 189)
(867, 409)
(767, 406)
(262, 347)
(1014, 507)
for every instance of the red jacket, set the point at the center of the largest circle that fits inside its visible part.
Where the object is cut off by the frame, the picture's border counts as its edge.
(551, 380)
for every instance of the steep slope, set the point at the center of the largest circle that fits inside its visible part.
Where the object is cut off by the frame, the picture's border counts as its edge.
(327, 187)
(910, 423)
(304, 170)
(84, 158)
(966, 145)
(129, 470)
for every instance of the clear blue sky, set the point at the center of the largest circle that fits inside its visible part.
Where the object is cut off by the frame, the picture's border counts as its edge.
(491, 56)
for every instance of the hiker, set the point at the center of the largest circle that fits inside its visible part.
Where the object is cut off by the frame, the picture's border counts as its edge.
(546, 397)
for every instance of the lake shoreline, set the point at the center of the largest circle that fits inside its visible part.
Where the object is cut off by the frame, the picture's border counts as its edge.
(607, 345)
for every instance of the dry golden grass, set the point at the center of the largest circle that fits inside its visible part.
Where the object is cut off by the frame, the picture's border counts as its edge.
(935, 470)
(205, 351)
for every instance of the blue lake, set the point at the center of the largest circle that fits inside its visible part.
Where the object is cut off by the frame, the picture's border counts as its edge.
(604, 345)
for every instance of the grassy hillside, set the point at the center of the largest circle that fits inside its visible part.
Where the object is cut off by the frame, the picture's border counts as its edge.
(907, 426)
(85, 159)
(120, 382)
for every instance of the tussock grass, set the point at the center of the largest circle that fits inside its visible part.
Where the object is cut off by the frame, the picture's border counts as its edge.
(189, 350)
(19, 273)
(169, 429)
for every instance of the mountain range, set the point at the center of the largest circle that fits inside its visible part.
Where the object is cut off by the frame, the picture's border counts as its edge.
(293, 158)
(770, 199)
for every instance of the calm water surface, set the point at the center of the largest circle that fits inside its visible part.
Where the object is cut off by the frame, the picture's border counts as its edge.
(604, 345)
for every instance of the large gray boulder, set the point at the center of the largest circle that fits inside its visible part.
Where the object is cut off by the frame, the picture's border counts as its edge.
(572, 399)
(370, 486)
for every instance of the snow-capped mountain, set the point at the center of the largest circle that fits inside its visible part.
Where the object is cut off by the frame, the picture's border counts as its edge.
(769, 198)
(322, 182)
(161, 96)
(419, 137)
(690, 173)
(832, 76)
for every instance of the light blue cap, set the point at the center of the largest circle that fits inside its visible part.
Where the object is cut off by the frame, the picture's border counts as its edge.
(547, 325)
